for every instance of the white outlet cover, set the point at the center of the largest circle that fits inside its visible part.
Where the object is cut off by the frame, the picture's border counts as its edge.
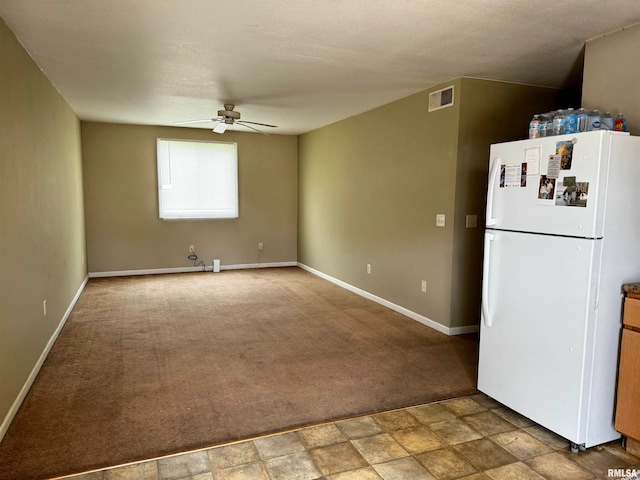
(472, 221)
(440, 220)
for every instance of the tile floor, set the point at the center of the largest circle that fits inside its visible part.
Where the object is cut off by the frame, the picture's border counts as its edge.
(472, 438)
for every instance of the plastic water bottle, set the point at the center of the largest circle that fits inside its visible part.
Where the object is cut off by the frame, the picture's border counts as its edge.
(582, 119)
(543, 126)
(607, 122)
(594, 120)
(558, 123)
(571, 121)
(534, 127)
(621, 123)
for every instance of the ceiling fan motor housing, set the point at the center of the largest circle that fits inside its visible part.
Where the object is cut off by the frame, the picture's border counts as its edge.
(229, 114)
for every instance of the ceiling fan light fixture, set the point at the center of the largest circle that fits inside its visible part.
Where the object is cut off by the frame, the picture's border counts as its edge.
(228, 117)
(221, 127)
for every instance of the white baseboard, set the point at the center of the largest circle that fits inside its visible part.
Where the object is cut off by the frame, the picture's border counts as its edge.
(36, 369)
(247, 266)
(397, 308)
(158, 271)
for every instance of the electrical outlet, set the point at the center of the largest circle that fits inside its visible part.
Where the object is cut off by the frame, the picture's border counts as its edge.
(191, 249)
(368, 268)
(261, 247)
(472, 221)
(44, 308)
(440, 220)
(424, 286)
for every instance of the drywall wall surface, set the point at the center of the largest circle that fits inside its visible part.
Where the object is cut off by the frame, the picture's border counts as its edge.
(124, 231)
(490, 112)
(42, 242)
(612, 75)
(370, 187)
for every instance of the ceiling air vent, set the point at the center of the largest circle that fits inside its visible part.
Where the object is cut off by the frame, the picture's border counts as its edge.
(441, 99)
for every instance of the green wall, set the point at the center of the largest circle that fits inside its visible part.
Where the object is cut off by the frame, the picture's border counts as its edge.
(124, 231)
(370, 187)
(369, 190)
(42, 238)
(612, 75)
(490, 112)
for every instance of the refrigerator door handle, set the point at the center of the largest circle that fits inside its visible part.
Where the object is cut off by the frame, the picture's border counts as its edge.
(486, 314)
(493, 173)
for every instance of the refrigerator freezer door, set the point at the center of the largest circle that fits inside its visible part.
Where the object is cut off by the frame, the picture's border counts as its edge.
(517, 194)
(537, 321)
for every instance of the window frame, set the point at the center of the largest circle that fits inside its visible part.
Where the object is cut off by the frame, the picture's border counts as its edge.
(163, 157)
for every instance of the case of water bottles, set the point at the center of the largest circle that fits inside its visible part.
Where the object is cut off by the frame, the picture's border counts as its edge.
(569, 120)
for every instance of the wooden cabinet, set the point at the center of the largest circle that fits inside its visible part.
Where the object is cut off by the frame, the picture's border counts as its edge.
(628, 402)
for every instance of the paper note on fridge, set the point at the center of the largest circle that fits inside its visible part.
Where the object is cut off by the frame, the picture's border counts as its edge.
(513, 175)
(532, 156)
(553, 167)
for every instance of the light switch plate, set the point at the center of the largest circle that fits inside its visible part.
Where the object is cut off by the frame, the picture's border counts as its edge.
(472, 221)
(440, 220)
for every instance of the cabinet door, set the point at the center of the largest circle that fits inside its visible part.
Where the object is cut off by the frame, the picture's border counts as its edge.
(628, 409)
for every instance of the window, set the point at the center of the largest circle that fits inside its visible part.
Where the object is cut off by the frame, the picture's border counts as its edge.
(197, 179)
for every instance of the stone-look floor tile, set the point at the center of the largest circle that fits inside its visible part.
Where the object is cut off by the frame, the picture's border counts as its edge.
(446, 464)
(554, 441)
(249, 471)
(462, 406)
(486, 401)
(407, 468)
(367, 473)
(359, 427)
(298, 466)
(379, 448)
(321, 436)
(455, 431)
(418, 440)
(432, 413)
(233, 455)
(598, 461)
(476, 476)
(138, 471)
(88, 476)
(396, 420)
(520, 444)
(278, 445)
(182, 466)
(556, 466)
(337, 458)
(512, 471)
(484, 454)
(509, 415)
(617, 449)
(199, 476)
(488, 423)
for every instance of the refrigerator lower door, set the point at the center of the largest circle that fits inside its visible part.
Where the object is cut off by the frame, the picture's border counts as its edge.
(536, 335)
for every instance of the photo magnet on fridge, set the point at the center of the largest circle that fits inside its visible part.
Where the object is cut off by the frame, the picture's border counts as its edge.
(546, 190)
(565, 150)
(570, 193)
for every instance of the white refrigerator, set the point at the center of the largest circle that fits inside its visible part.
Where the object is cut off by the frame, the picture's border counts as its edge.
(562, 236)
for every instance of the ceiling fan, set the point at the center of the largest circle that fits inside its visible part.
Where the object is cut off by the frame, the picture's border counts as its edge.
(225, 118)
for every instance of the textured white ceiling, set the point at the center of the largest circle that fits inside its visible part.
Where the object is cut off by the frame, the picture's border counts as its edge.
(299, 64)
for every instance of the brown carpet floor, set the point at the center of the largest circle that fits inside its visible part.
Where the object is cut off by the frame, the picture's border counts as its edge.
(154, 365)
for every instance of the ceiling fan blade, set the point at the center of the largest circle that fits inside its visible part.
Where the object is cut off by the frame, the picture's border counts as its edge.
(201, 120)
(221, 127)
(256, 123)
(249, 126)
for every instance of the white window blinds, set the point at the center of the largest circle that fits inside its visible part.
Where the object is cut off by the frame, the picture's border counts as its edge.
(197, 179)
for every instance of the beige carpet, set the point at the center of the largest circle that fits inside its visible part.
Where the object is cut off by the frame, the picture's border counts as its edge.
(154, 365)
